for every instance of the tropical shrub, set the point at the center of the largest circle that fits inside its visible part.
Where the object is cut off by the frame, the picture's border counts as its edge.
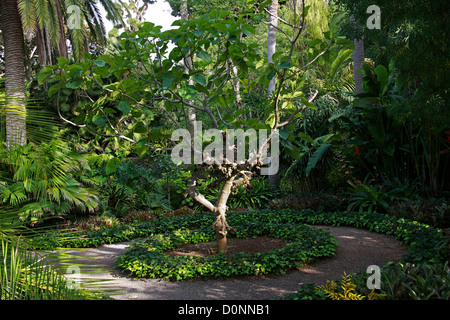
(317, 201)
(256, 195)
(393, 135)
(93, 223)
(435, 212)
(25, 276)
(137, 216)
(371, 196)
(346, 290)
(183, 211)
(45, 178)
(407, 281)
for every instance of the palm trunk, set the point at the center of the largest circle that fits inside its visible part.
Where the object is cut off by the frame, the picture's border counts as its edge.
(358, 59)
(62, 46)
(14, 73)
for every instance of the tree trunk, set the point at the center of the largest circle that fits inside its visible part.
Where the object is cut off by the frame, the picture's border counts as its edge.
(358, 59)
(62, 45)
(220, 210)
(272, 39)
(188, 65)
(274, 179)
(14, 73)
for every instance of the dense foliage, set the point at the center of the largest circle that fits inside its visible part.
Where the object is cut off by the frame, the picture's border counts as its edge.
(97, 158)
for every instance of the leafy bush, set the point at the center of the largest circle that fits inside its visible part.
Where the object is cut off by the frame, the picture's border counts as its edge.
(372, 197)
(399, 281)
(256, 195)
(416, 282)
(125, 186)
(94, 223)
(433, 211)
(138, 216)
(406, 281)
(183, 211)
(320, 202)
(149, 258)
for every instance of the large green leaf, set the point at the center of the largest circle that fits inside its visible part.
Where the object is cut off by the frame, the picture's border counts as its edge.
(99, 120)
(382, 77)
(44, 74)
(124, 107)
(315, 158)
(205, 56)
(200, 79)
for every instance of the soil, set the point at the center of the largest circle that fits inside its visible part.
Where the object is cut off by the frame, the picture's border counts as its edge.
(235, 245)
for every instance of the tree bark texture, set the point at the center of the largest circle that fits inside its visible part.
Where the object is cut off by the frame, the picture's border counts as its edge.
(358, 58)
(272, 38)
(188, 64)
(221, 224)
(274, 179)
(14, 73)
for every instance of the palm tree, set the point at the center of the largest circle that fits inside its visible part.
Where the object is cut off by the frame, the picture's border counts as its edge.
(52, 22)
(44, 21)
(358, 56)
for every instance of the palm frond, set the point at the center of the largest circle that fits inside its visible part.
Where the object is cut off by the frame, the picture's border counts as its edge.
(112, 12)
(53, 22)
(42, 14)
(27, 11)
(95, 22)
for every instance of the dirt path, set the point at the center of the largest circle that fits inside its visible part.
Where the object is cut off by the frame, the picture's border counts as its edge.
(357, 250)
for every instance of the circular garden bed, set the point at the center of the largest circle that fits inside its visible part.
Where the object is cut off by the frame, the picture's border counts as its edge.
(186, 254)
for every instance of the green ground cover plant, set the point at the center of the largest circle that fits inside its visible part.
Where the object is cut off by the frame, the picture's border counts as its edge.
(425, 244)
(150, 258)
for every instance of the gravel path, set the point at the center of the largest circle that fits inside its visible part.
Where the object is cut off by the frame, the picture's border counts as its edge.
(357, 250)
